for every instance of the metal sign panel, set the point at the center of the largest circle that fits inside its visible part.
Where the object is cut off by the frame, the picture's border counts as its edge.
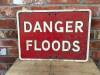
(54, 34)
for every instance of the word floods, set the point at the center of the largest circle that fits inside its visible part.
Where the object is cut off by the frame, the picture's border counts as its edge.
(54, 34)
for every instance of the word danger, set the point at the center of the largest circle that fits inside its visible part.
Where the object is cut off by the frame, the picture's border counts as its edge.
(58, 26)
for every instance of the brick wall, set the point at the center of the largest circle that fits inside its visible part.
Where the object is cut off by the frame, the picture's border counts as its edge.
(8, 32)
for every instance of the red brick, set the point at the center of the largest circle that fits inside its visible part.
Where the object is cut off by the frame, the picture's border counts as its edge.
(3, 66)
(94, 45)
(10, 43)
(96, 55)
(92, 35)
(7, 59)
(46, 7)
(6, 1)
(7, 24)
(11, 34)
(8, 34)
(96, 23)
(13, 52)
(91, 1)
(9, 11)
(95, 9)
(64, 1)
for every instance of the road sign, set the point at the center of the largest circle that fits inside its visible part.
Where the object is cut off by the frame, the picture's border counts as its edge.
(54, 34)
